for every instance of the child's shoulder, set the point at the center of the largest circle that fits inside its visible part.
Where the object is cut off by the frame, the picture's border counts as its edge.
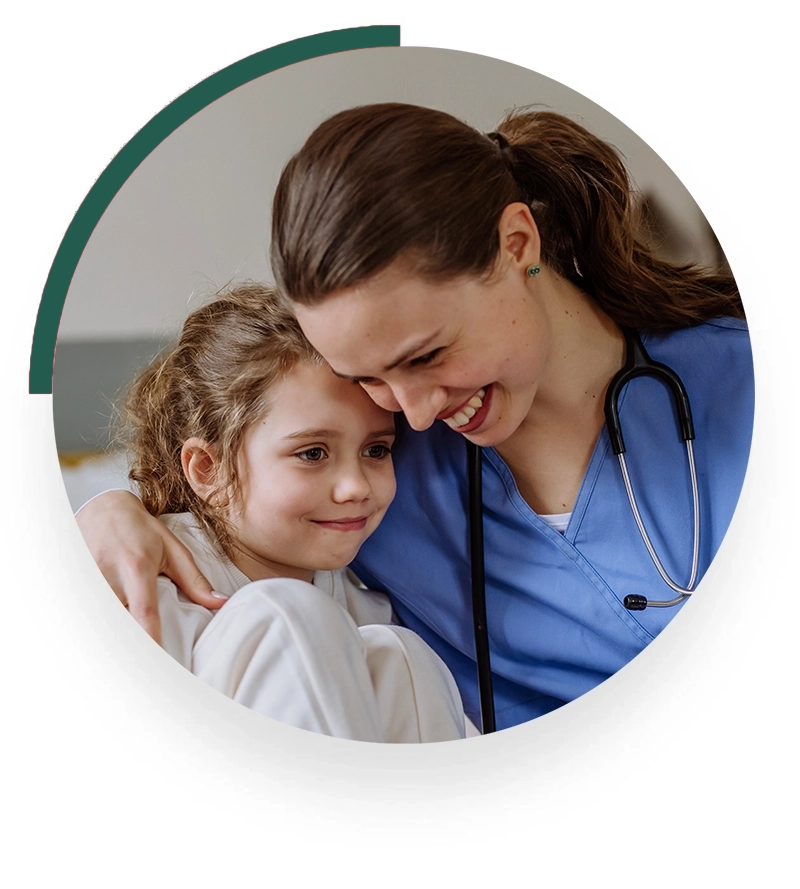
(187, 529)
(207, 553)
(363, 605)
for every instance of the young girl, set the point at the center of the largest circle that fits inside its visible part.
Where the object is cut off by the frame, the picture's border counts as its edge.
(273, 471)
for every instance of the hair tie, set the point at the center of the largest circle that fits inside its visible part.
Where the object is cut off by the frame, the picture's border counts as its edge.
(500, 140)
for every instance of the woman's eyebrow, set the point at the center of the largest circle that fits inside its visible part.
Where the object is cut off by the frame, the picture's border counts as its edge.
(403, 356)
(411, 351)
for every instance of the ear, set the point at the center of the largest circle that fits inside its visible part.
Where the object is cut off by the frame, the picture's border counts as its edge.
(201, 467)
(520, 243)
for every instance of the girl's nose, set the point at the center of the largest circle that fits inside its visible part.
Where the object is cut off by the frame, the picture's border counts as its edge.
(351, 485)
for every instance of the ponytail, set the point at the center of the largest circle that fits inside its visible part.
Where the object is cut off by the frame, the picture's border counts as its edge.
(379, 183)
(580, 196)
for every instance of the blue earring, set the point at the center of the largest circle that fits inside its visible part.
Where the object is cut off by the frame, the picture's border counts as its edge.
(534, 270)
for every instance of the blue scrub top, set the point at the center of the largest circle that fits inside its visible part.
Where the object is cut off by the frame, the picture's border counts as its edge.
(557, 625)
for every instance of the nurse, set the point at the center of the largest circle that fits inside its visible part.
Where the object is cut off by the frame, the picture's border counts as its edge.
(480, 284)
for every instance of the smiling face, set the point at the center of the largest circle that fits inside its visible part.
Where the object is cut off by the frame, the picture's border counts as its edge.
(468, 352)
(316, 477)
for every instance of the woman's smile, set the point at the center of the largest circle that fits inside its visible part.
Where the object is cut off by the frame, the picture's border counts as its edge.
(471, 414)
(468, 352)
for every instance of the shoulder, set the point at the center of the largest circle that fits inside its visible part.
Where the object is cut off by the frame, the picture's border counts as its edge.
(723, 323)
(717, 334)
(363, 605)
(187, 529)
(720, 346)
(207, 553)
(715, 363)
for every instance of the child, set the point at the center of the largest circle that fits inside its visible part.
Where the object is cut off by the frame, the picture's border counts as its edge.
(273, 471)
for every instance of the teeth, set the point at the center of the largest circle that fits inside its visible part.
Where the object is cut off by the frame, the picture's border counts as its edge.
(467, 412)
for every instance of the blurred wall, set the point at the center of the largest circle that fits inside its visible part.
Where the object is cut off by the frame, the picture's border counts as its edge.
(194, 216)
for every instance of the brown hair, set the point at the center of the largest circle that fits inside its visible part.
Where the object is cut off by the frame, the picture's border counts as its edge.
(213, 384)
(380, 182)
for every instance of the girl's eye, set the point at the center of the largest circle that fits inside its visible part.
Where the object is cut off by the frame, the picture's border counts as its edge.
(378, 451)
(312, 455)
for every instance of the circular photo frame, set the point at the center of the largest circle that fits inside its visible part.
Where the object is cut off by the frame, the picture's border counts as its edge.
(424, 615)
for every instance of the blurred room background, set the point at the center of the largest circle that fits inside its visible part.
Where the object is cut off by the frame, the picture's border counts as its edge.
(194, 217)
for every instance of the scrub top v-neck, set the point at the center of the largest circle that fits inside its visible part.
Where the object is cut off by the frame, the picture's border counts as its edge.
(557, 623)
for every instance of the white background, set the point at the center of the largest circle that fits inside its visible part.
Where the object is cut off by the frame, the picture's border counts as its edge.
(120, 769)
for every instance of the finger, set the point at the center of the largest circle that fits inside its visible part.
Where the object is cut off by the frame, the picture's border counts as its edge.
(181, 568)
(143, 604)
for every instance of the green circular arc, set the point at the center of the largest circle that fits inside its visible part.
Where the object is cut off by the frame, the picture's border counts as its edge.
(40, 379)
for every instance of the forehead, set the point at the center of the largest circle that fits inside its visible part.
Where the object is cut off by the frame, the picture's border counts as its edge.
(311, 393)
(373, 322)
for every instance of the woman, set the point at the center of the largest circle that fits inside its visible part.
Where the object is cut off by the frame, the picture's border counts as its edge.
(487, 281)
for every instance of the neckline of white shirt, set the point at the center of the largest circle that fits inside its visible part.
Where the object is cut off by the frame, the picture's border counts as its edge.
(558, 521)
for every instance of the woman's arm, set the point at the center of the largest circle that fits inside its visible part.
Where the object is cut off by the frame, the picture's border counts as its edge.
(132, 548)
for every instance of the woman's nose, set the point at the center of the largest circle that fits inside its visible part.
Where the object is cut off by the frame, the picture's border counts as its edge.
(421, 402)
(383, 396)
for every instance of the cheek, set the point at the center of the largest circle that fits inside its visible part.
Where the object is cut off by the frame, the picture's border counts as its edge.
(386, 488)
(299, 494)
(278, 495)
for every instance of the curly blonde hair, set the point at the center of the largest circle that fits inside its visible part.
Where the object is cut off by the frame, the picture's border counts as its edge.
(213, 384)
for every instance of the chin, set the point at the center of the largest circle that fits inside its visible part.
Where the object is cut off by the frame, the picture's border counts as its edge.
(491, 437)
(335, 562)
(499, 431)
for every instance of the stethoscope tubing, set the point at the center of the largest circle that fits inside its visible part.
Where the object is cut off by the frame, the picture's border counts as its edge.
(480, 624)
(683, 592)
(637, 363)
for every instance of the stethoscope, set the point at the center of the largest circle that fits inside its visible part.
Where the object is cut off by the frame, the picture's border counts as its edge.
(637, 364)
